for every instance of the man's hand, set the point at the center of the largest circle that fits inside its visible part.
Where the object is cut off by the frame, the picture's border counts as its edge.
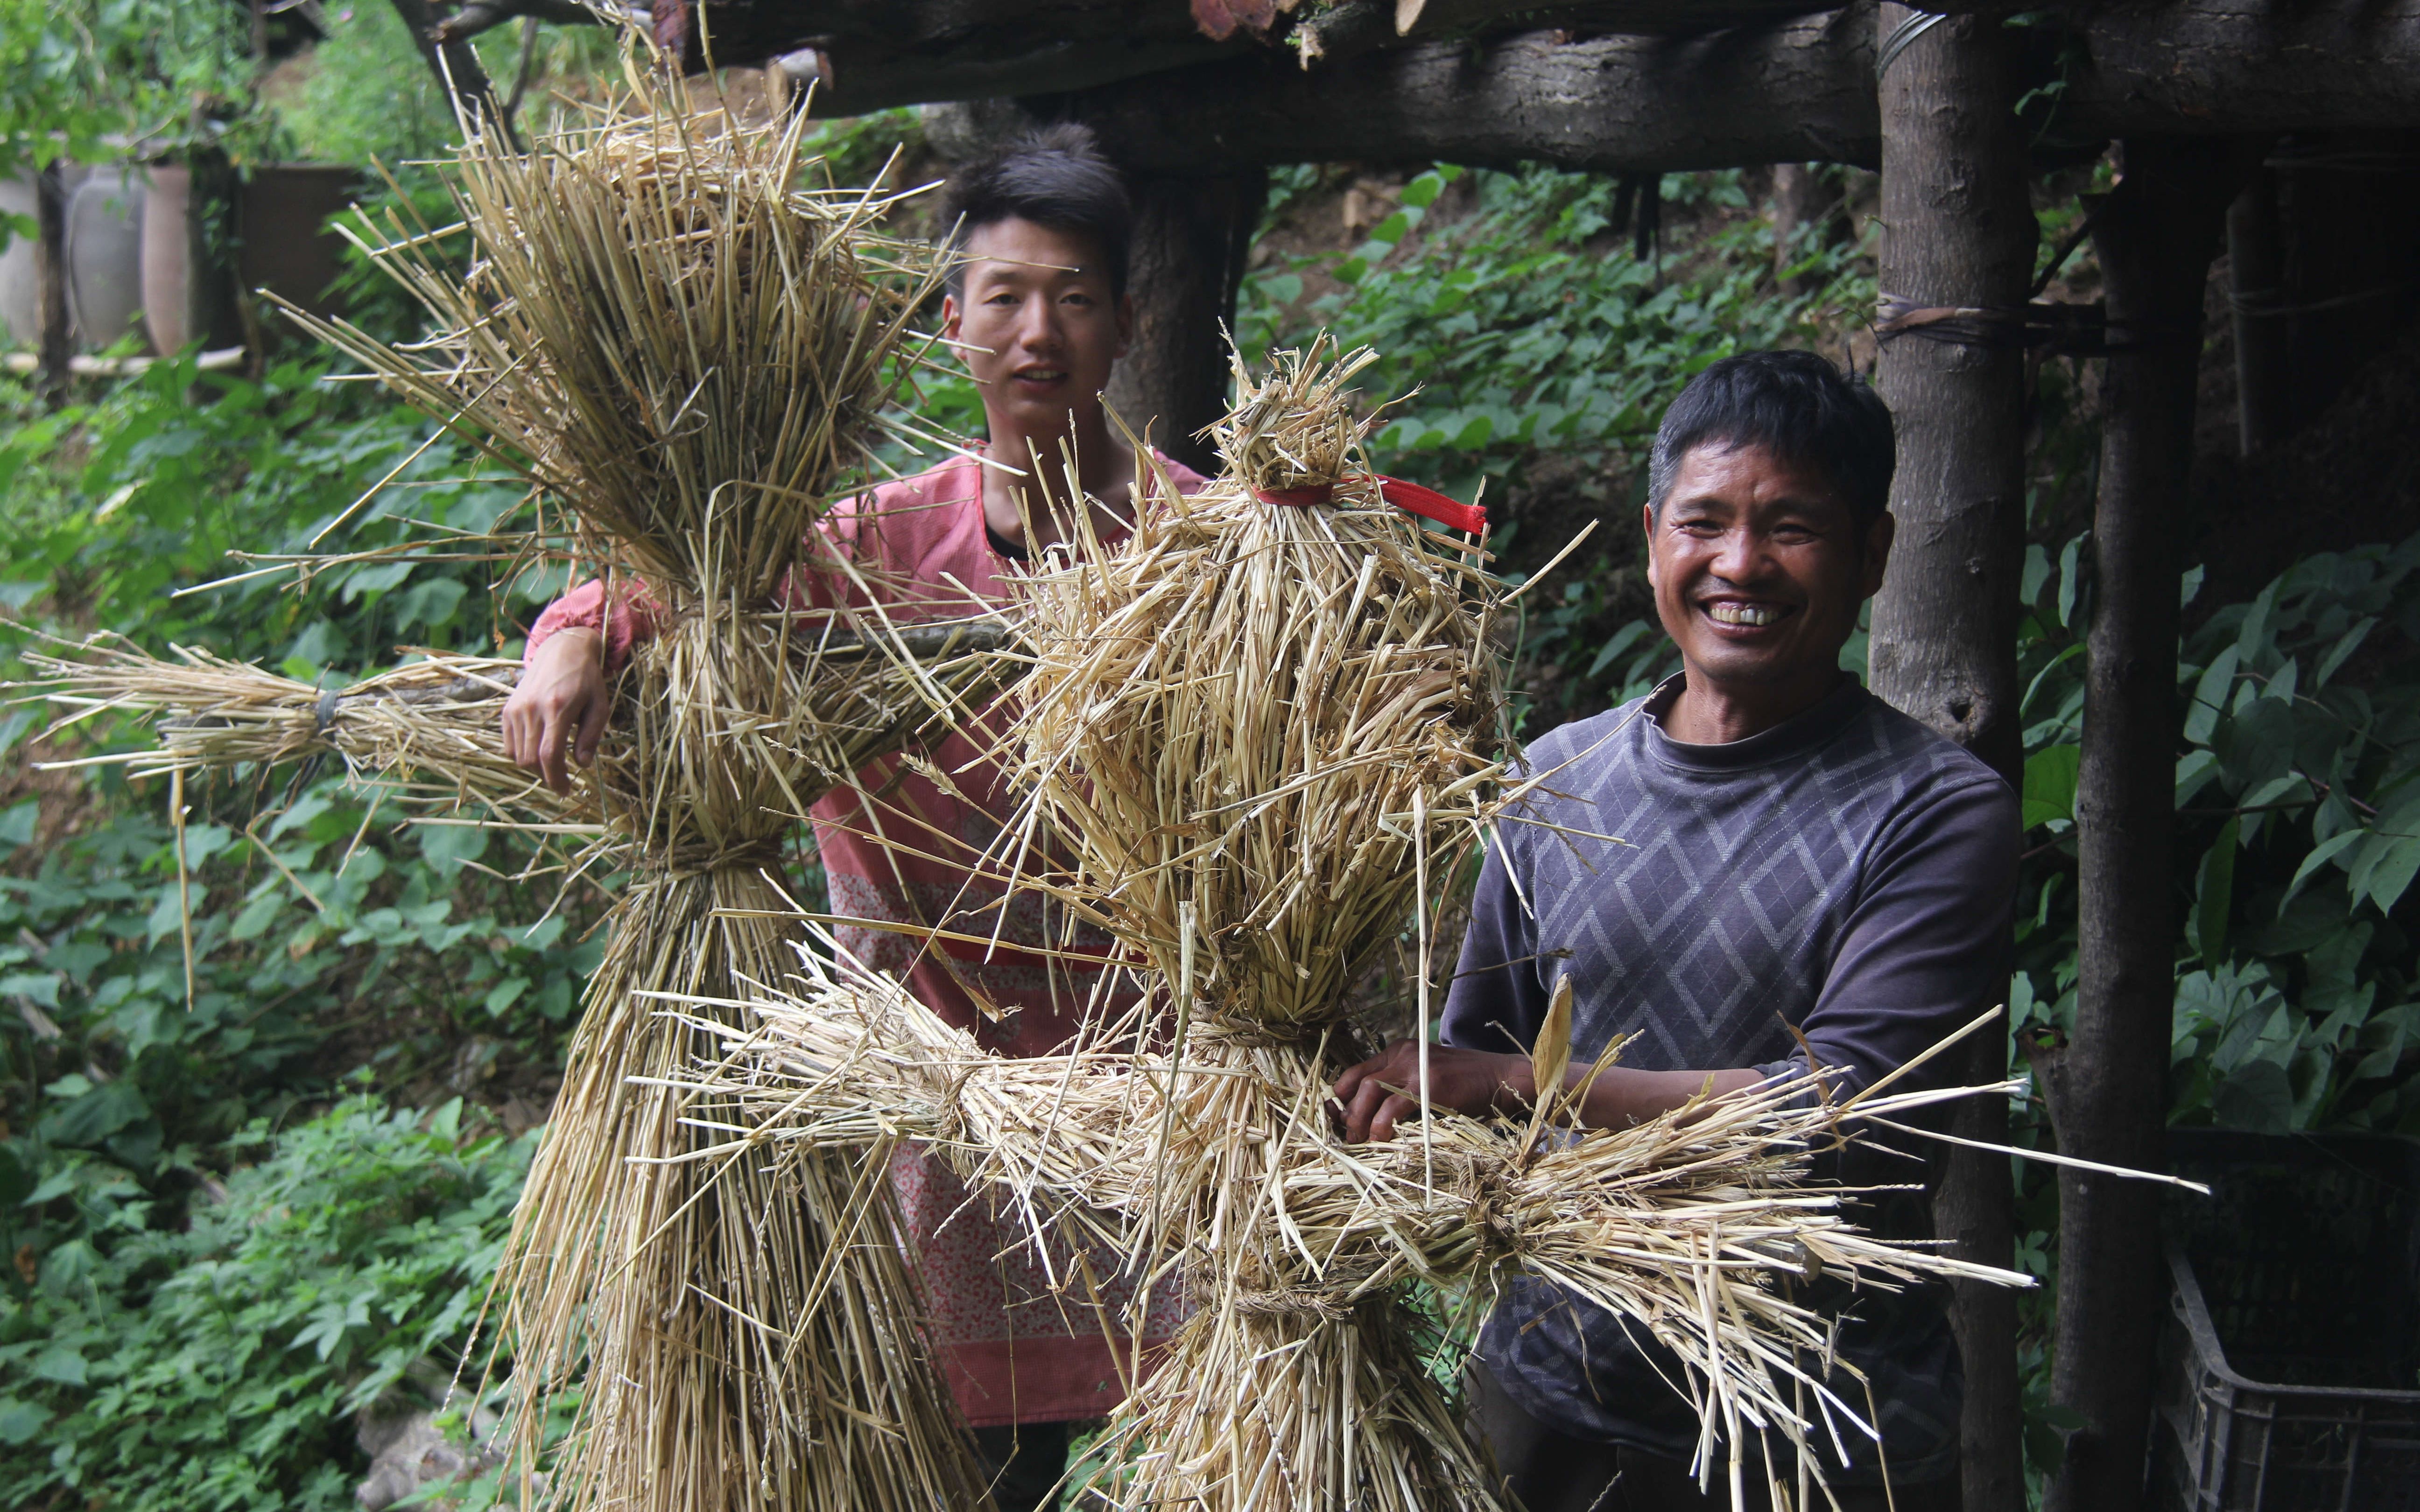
(559, 709)
(1384, 1090)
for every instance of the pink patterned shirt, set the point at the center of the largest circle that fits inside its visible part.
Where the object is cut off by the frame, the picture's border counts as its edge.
(1014, 1349)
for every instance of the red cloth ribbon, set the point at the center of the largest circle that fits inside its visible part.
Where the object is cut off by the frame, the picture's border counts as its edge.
(1408, 496)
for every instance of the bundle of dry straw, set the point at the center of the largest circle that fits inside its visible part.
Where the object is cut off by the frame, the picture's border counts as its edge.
(425, 731)
(1262, 729)
(686, 352)
(660, 328)
(1697, 1227)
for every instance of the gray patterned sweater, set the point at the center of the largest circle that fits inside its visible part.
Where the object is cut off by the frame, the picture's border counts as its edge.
(1848, 873)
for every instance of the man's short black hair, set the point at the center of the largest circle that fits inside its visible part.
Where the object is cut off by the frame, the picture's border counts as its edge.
(1056, 175)
(1796, 405)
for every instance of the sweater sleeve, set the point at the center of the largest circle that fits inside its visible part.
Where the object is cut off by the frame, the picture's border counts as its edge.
(1925, 948)
(630, 619)
(1499, 996)
(817, 582)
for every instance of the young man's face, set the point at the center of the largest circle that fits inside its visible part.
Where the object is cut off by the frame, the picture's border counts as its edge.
(1759, 568)
(1051, 334)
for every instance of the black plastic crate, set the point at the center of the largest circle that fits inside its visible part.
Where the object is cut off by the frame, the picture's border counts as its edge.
(2290, 1361)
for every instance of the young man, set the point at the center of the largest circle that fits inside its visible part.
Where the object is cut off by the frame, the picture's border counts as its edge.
(1041, 308)
(1800, 857)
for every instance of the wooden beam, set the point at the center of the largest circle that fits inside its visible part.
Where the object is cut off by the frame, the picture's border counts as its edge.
(1798, 91)
(1958, 231)
(940, 50)
(2205, 67)
(1794, 90)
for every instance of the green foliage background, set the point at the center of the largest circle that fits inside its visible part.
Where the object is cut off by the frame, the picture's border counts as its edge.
(234, 1218)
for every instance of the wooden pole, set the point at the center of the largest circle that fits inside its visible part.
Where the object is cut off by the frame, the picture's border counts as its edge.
(2156, 236)
(1960, 231)
(2256, 262)
(50, 280)
(1191, 236)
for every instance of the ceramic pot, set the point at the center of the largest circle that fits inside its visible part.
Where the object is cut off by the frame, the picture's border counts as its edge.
(104, 245)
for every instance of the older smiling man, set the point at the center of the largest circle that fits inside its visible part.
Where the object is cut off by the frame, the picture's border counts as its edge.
(1807, 872)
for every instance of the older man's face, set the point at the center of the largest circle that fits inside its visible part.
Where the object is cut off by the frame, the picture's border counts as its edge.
(1759, 568)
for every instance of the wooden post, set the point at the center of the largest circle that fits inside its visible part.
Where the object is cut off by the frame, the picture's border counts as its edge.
(2156, 236)
(2256, 266)
(1191, 236)
(1960, 231)
(50, 280)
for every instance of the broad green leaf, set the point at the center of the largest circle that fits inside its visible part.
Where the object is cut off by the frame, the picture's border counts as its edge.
(17, 824)
(2390, 873)
(448, 846)
(2215, 896)
(2320, 856)
(2036, 573)
(97, 1115)
(2258, 745)
(2346, 645)
(2195, 770)
(2256, 1095)
(2069, 584)
(2050, 784)
(2209, 696)
(21, 1420)
(2258, 636)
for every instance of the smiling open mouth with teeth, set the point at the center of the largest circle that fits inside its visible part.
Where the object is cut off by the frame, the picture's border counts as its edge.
(1723, 611)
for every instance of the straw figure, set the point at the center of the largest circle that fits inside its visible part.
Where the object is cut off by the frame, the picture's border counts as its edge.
(1262, 729)
(1262, 726)
(686, 355)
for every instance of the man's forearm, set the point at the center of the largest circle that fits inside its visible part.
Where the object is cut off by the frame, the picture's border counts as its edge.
(1371, 1097)
(1620, 1097)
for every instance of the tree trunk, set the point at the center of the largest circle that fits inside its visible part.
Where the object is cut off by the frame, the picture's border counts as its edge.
(2255, 267)
(50, 280)
(2156, 236)
(1804, 196)
(1961, 231)
(1191, 236)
